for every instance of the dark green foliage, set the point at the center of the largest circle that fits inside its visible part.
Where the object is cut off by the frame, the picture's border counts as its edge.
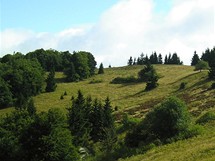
(195, 59)
(213, 85)
(11, 129)
(5, 95)
(209, 56)
(70, 72)
(120, 80)
(172, 59)
(207, 117)
(78, 120)
(62, 97)
(182, 85)
(47, 138)
(90, 120)
(201, 65)
(31, 107)
(65, 93)
(168, 121)
(148, 74)
(24, 78)
(130, 61)
(42, 137)
(50, 82)
(101, 69)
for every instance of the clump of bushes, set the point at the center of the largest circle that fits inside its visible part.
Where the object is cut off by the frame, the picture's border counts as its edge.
(168, 122)
(121, 80)
(207, 117)
(182, 85)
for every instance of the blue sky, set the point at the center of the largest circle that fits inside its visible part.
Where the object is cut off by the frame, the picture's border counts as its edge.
(112, 30)
(51, 15)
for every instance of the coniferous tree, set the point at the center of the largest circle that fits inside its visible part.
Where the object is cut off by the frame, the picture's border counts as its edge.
(5, 95)
(130, 61)
(50, 81)
(78, 121)
(71, 74)
(195, 59)
(166, 60)
(152, 79)
(160, 61)
(101, 69)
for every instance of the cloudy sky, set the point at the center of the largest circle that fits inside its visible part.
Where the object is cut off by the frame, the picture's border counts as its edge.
(112, 30)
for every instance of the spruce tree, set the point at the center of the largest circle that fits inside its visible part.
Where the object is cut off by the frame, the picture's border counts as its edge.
(78, 120)
(160, 61)
(130, 61)
(50, 81)
(195, 59)
(101, 69)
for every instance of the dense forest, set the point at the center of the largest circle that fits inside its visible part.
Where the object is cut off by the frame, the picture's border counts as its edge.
(91, 128)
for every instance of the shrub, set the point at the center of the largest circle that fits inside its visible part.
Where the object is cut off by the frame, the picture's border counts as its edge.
(167, 122)
(120, 80)
(209, 116)
(182, 85)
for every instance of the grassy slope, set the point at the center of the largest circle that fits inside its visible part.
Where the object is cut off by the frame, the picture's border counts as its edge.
(132, 99)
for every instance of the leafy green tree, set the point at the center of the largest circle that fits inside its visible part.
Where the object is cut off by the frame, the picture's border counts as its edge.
(201, 65)
(169, 120)
(47, 138)
(50, 82)
(71, 74)
(5, 95)
(101, 69)
(195, 59)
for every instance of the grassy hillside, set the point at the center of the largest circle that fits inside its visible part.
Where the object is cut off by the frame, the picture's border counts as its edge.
(132, 99)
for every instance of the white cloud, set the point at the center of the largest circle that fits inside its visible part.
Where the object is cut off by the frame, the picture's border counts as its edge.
(127, 29)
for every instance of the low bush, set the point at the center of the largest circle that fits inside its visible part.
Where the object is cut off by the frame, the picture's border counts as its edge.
(182, 85)
(168, 122)
(121, 80)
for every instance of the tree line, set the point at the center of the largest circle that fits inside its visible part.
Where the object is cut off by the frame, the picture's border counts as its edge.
(208, 56)
(155, 58)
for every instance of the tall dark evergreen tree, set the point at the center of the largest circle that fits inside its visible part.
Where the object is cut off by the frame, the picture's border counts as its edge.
(50, 82)
(130, 61)
(195, 59)
(78, 119)
(166, 60)
(160, 59)
(70, 72)
(101, 69)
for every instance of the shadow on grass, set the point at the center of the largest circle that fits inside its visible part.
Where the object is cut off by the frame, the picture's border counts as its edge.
(60, 80)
